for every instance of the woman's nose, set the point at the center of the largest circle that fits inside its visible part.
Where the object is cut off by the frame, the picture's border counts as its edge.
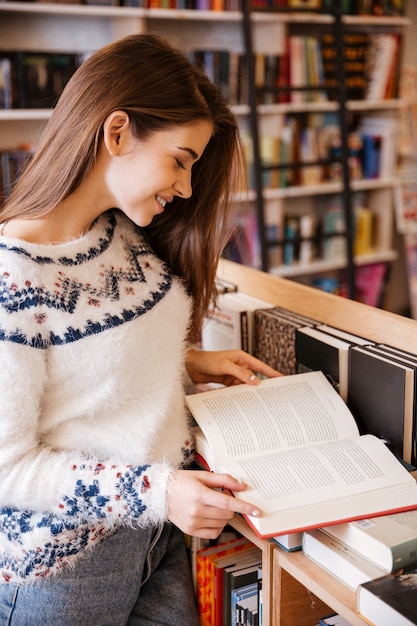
(183, 185)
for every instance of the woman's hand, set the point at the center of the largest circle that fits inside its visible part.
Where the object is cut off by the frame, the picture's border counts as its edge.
(228, 367)
(200, 503)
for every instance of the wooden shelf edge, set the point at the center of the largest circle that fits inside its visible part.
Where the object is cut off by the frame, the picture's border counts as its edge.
(322, 584)
(348, 315)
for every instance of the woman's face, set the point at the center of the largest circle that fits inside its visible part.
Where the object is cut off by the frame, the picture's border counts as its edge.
(146, 175)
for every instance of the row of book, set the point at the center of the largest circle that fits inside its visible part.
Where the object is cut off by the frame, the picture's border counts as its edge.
(34, 79)
(311, 146)
(305, 73)
(322, 236)
(358, 7)
(377, 559)
(228, 582)
(199, 5)
(308, 70)
(374, 557)
(352, 7)
(370, 279)
(376, 381)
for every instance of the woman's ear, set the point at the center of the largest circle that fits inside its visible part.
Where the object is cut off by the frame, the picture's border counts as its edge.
(116, 129)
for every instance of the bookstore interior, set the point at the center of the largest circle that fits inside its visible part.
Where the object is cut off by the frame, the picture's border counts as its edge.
(319, 280)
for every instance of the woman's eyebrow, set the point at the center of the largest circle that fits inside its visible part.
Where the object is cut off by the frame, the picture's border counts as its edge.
(190, 151)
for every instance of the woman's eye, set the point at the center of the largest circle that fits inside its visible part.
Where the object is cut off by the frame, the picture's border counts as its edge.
(180, 164)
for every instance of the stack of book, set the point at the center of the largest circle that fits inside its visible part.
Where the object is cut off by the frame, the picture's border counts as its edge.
(376, 558)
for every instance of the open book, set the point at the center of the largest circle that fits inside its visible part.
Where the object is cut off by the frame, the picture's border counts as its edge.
(295, 443)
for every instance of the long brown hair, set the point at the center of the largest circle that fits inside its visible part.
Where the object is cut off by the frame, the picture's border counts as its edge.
(158, 87)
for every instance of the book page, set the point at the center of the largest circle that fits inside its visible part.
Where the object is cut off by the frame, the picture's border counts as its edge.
(282, 413)
(324, 484)
(327, 471)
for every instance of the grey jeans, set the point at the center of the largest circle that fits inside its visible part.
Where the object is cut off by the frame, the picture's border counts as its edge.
(135, 577)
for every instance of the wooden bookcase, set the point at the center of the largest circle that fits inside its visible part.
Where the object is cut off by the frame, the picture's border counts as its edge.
(296, 592)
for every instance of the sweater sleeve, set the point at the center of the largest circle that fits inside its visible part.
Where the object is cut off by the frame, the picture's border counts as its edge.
(37, 478)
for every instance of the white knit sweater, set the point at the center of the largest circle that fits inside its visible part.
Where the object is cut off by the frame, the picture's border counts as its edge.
(92, 419)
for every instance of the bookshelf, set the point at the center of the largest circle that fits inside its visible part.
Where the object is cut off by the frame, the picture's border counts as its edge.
(82, 29)
(296, 591)
(278, 205)
(61, 27)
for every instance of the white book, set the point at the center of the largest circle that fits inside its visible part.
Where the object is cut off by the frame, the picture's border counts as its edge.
(383, 49)
(230, 325)
(289, 541)
(390, 541)
(347, 565)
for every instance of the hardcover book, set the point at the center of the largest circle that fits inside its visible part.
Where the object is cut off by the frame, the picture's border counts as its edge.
(289, 542)
(390, 541)
(381, 397)
(230, 326)
(274, 337)
(317, 350)
(235, 577)
(295, 443)
(205, 585)
(389, 600)
(345, 564)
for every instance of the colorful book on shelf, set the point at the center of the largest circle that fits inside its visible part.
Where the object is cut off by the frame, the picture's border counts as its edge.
(6, 95)
(296, 444)
(381, 392)
(236, 576)
(381, 69)
(243, 599)
(220, 582)
(205, 573)
(230, 326)
(382, 127)
(370, 283)
(389, 541)
(345, 564)
(389, 600)
(297, 68)
(355, 46)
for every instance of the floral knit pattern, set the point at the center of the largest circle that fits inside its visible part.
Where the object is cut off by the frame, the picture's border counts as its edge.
(68, 537)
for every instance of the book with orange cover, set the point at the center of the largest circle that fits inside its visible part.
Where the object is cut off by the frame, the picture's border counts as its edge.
(205, 574)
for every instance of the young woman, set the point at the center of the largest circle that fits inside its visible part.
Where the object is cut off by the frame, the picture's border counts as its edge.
(108, 253)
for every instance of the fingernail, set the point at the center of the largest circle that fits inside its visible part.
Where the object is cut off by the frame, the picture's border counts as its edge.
(256, 513)
(252, 378)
